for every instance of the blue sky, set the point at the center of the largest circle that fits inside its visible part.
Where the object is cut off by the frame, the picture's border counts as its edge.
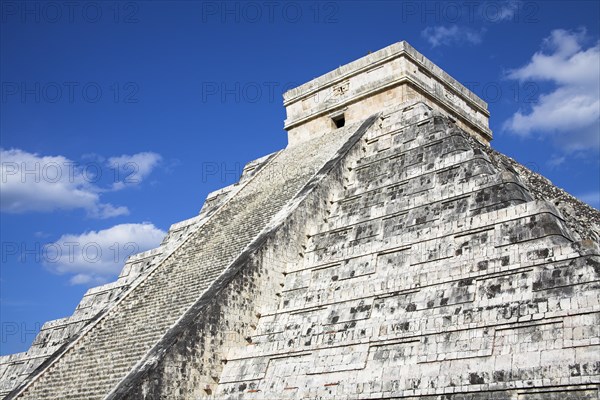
(118, 118)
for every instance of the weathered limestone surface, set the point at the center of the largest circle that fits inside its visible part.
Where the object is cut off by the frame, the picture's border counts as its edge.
(108, 350)
(396, 257)
(383, 79)
(436, 274)
(15, 369)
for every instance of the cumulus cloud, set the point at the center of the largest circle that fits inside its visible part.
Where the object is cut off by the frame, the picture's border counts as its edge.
(446, 36)
(500, 11)
(570, 113)
(507, 10)
(556, 161)
(132, 169)
(468, 21)
(95, 257)
(31, 182)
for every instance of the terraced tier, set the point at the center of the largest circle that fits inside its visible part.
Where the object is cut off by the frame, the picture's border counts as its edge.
(120, 339)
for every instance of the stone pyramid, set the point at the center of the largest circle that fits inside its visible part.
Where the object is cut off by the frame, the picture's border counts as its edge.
(386, 252)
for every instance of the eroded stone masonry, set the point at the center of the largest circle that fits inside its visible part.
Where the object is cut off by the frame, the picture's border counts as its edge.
(387, 252)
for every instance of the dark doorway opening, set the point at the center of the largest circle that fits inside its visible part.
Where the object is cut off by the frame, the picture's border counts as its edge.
(339, 121)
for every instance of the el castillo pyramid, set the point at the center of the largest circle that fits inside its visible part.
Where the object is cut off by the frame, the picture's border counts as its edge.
(387, 252)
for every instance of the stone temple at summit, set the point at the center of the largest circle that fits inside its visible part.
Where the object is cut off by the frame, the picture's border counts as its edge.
(387, 252)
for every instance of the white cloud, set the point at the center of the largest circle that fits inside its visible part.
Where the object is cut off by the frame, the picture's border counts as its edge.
(472, 14)
(508, 10)
(131, 170)
(556, 161)
(33, 183)
(499, 11)
(446, 36)
(570, 114)
(96, 256)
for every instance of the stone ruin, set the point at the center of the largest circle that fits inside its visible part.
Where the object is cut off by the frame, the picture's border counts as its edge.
(387, 252)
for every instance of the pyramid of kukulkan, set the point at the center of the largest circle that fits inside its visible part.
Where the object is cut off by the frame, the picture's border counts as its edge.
(387, 252)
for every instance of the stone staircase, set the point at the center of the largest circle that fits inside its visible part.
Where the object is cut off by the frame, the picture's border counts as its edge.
(112, 345)
(435, 273)
(393, 258)
(16, 369)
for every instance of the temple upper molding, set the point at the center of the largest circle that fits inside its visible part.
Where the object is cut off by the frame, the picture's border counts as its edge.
(372, 83)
